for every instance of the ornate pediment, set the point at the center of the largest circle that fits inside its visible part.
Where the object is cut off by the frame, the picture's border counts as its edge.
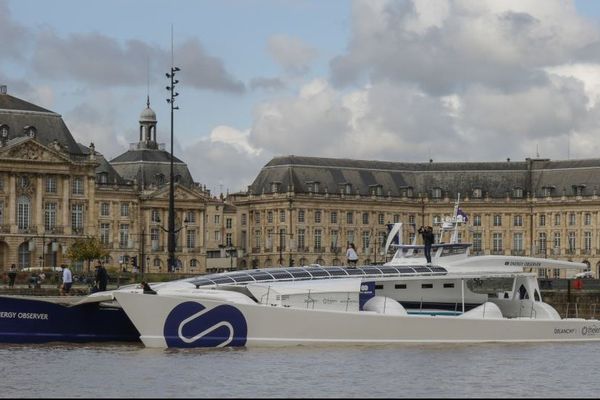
(31, 151)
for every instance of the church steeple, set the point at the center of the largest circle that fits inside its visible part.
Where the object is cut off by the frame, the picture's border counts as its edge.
(148, 128)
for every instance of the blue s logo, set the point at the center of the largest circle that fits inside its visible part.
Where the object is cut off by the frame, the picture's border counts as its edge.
(190, 324)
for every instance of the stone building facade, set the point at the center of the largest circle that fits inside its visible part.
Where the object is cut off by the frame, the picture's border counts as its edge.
(305, 209)
(54, 190)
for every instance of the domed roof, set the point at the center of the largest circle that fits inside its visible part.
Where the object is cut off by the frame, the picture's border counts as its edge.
(148, 115)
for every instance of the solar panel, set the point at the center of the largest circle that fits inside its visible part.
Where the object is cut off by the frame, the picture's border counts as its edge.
(336, 271)
(388, 270)
(372, 271)
(355, 271)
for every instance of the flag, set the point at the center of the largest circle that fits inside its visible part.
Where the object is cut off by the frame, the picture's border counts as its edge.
(462, 214)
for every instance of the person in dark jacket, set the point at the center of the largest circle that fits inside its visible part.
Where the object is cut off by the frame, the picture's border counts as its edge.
(101, 278)
(428, 239)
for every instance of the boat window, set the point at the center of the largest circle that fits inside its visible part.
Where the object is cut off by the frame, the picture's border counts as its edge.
(448, 285)
(536, 295)
(400, 286)
(378, 287)
(490, 285)
(523, 293)
(427, 286)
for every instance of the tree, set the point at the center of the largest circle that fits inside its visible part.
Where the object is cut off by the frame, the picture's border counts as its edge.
(87, 249)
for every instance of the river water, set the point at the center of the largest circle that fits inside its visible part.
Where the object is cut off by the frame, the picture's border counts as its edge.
(130, 370)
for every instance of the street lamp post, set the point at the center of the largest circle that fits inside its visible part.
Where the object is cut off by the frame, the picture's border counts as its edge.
(281, 234)
(171, 228)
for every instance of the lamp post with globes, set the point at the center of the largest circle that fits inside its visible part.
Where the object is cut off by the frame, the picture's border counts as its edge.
(171, 223)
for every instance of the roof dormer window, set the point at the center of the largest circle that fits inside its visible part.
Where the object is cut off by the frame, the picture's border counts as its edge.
(477, 193)
(578, 189)
(547, 191)
(4, 131)
(312, 187)
(376, 190)
(275, 187)
(436, 193)
(517, 193)
(30, 131)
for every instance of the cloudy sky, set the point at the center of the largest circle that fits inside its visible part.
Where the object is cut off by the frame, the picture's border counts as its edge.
(464, 80)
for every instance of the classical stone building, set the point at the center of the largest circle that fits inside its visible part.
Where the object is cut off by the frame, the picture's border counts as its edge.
(306, 209)
(54, 190)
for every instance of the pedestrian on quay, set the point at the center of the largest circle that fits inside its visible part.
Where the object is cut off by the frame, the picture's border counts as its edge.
(101, 278)
(351, 255)
(67, 281)
(12, 276)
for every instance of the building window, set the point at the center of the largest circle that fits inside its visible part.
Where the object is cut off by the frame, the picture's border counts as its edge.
(497, 220)
(257, 239)
(365, 218)
(155, 216)
(257, 217)
(397, 218)
(334, 235)
(190, 239)
(77, 185)
(243, 219)
(547, 191)
(349, 217)
(218, 236)
(556, 219)
(51, 184)
(587, 242)
(301, 242)
(312, 187)
(477, 192)
(77, 217)
(281, 215)
(497, 242)
(105, 234)
(124, 209)
(191, 217)
(376, 190)
(366, 236)
(270, 217)
(333, 217)
(381, 218)
(518, 241)
(587, 219)
(542, 219)
(23, 212)
(556, 243)
(348, 188)
(24, 255)
(411, 219)
(317, 238)
(572, 219)
(436, 193)
(49, 216)
(1, 212)
(350, 236)
(542, 242)
(228, 223)
(275, 187)
(217, 219)
(572, 241)
(301, 216)
(123, 235)
(318, 217)
(518, 220)
(104, 209)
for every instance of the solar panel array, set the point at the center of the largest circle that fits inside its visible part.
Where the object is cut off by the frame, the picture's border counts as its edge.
(312, 272)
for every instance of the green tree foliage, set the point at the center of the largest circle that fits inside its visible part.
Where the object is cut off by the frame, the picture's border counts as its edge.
(87, 249)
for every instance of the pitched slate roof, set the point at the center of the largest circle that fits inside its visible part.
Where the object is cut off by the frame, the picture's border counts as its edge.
(496, 179)
(17, 114)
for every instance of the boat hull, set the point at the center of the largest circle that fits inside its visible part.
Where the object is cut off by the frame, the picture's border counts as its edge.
(184, 322)
(27, 320)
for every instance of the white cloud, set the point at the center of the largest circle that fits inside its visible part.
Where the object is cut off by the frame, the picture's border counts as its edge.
(293, 54)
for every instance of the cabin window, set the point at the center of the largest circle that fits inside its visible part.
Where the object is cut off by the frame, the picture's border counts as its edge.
(523, 295)
(536, 295)
(400, 286)
(378, 287)
(448, 285)
(427, 286)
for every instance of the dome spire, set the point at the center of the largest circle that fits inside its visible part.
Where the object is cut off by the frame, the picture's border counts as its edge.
(148, 127)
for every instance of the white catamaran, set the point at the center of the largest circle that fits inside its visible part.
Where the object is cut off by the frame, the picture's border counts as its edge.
(456, 298)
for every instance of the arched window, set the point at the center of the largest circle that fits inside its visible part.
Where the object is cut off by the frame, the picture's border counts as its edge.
(23, 212)
(24, 255)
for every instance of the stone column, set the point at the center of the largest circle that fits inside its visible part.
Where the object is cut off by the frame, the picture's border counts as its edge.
(66, 223)
(38, 206)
